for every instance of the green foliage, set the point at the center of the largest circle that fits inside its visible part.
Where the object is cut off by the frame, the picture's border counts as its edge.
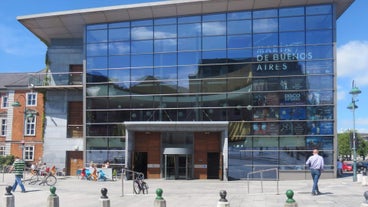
(345, 148)
(6, 160)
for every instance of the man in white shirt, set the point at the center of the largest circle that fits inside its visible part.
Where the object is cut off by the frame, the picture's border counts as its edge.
(316, 164)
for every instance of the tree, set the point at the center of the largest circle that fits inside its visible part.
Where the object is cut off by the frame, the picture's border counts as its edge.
(343, 144)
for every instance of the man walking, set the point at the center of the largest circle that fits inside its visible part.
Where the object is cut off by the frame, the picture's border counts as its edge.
(18, 168)
(316, 164)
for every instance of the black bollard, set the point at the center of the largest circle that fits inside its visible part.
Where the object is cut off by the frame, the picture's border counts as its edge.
(365, 203)
(223, 202)
(159, 201)
(104, 199)
(8, 197)
(53, 199)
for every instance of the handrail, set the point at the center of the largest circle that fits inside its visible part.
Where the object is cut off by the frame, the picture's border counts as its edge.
(134, 173)
(261, 173)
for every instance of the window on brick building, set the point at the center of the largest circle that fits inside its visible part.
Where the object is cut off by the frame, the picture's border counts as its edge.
(3, 127)
(32, 99)
(28, 153)
(75, 119)
(4, 101)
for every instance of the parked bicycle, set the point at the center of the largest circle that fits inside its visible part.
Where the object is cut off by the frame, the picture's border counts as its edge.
(47, 178)
(139, 185)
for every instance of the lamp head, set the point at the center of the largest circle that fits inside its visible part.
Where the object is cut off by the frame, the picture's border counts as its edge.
(16, 104)
(352, 106)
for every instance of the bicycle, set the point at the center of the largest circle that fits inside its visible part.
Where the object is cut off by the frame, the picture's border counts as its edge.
(139, 184)
(47, 179)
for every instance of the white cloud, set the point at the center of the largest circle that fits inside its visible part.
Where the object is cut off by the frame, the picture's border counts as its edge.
(352, 61)
(341, 94)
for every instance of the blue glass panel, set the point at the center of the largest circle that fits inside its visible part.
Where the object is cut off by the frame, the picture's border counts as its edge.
(165, 31)
(215, 42)
(189, 19)
(142, 22)
(265, 13)
(165, 73)
(190, 43)
(239, 27)
(119, 24)
(189, 30)
(291, 24)
(117, 76)
(214, 28)
(165, 45)
(239, 41)
(141, 60)
(187, 58)
(214, 54)
(119, 61)
(240, 55)
(319, 22)
(99, 49)
(320, 67)
(94, 36)
(141, 33)
(293, 11)
(119, 34)
(320, 82)
(96, 62)
(320, 52)
(119, 48)
(96, 26)
(185, 73)
(141, 75)
(239, 15)
(292, 38)
(165, 59)
(319, 9)
(145, 46)
(292, 53)
(214, 17)
(96, 90)
(319, 36)
(165, 21)
(268, 39)
(94, 76)
(265, 25)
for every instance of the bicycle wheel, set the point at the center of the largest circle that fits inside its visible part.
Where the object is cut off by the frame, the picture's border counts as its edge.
(144, 187)
(136, 187)
(34, 179)
(51, 180)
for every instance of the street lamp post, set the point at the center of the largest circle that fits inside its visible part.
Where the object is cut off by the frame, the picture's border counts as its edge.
(28, 114)
(352, 106)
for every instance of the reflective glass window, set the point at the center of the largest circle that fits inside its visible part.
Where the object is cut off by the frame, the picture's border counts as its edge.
(142, 22)
(189, 19)
(119, 75)
(165, 31)
(99, 49)
(165, 45)
(265, 25)
(319, 36)
(292, 38)
(96, 103)
(214, 54)
(141, 33)
(96, 62)
(96, 26)
(141, 75)
(165, 73)
(163, 21)
(239, 27)
(214, 17)
(97, 90)
(186, 58)
(94, 36)
(119, 61)
(119, 48)
(213, 28)
(320, 82)
(265, 13)
(189, 30)
(119, 24)
(293, 11)
(144, 46)
(319, 9)
(240, 55)
(319, 22)
(189, 43)
(165, 59)
(120, 34)
(239, 15)
(215, 42)
(267, 39)
(185, 73)
(95, 76)
(320, 67)
(117, 89)
(239, 41)
(141, 60)
(291, 24)
(122, 102)
(326, 97)
(320, 52)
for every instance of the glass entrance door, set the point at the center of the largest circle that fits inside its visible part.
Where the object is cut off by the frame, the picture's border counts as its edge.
(178, 166)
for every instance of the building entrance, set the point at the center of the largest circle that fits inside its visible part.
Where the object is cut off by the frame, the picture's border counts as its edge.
(178, 166)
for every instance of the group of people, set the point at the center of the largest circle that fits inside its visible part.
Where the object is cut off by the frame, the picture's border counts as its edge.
(92, 173)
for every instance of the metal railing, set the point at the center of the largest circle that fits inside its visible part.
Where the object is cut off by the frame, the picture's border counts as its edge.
(261, 178)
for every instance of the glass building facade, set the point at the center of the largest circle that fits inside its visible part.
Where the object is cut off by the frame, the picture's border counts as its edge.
(269, 73)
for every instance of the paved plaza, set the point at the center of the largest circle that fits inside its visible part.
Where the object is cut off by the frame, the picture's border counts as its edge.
(341, 192)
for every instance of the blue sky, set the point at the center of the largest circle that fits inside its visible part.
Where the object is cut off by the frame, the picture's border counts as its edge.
(21, 51)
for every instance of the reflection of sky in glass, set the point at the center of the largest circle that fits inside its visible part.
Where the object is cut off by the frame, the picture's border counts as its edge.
(214, 28)
(116, 48)
(265, 25)
(141, 33)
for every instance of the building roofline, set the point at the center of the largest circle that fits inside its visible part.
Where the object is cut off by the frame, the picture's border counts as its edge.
(70, 24)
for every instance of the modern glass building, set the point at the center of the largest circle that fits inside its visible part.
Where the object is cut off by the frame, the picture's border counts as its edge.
(207, 89)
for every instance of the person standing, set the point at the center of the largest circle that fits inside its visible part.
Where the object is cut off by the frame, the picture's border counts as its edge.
(316, 164)
(18, 168)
